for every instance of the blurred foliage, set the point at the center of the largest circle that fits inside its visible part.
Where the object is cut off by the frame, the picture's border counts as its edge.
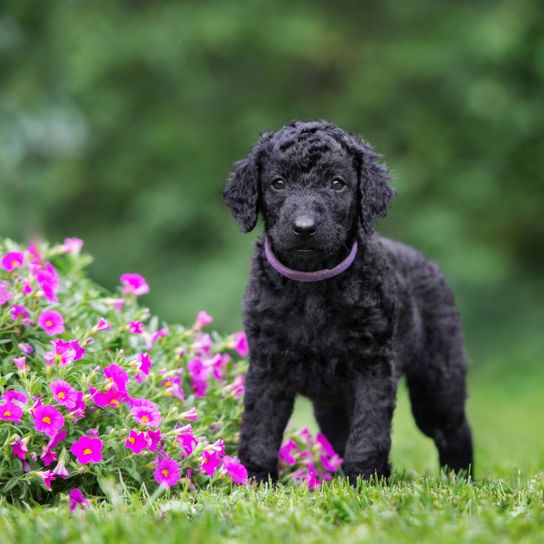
(119, 122)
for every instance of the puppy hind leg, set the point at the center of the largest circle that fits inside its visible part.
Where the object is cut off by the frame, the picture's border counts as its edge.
(438, 406)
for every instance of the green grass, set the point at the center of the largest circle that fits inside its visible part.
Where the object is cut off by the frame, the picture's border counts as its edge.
(505, 504)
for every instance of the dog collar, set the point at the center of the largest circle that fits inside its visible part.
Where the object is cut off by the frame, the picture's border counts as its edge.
(318, 275)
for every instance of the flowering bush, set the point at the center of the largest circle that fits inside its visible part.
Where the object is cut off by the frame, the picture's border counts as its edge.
(92, 387)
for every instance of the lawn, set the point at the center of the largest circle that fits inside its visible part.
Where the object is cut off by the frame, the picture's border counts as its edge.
(504, 504)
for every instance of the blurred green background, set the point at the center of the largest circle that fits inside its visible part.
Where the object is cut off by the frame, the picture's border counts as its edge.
(119, 122)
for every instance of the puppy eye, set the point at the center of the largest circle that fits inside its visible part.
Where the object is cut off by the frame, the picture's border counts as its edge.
(338, 184)
(278, 184)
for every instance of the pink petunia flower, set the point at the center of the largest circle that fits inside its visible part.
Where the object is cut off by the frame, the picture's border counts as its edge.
(47, 419)
(112, 397)
(136, 327)
(102, 325)
(235, 469)
(202, 344)
(76, 500)
(5, 295)
(48, 456)
(19, 447)
(154, 439)
(87, 450)
(134, 284)
(202, 319)
(20, 363)
(17, 396)
(186, 439)
(49, 282)
(72, 245)
(145, 412)
(173, 387)
(237, 387)
(323, 441)
(60, 469)
(9, 411)
(190, 415)
(12, 260)
(332, 463)
(198, 370)
(285, 454)
(161, 333)
(20, 313)
(136, 441)
(51, 322)
(312, 478)
(167, 472)
(47, 477)
(240, 344)
(116, 375)
(64, 394)
(144, 365)
(210, 461)
(27, 349)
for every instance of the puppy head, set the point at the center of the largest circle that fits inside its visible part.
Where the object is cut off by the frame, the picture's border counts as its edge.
(316, 187)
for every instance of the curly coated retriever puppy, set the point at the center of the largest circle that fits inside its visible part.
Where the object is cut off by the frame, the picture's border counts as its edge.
(337, 313)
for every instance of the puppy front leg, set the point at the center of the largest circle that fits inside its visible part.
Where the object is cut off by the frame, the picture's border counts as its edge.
(369, 442)
(267, 408)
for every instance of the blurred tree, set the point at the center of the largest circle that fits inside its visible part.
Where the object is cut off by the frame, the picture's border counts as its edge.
(119, 122)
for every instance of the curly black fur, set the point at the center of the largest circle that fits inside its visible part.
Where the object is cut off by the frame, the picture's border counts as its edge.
(343, 342)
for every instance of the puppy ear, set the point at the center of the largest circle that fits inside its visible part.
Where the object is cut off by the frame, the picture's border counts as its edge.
(242, 189)
(374, 191)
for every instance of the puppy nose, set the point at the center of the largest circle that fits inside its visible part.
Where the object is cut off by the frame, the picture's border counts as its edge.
(304, 226)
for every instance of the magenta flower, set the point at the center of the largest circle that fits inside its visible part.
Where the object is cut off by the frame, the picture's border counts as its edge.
(153, 439)
(19, 312)
(64, 394)
(323, 441)
(18, 447)
(312, 477)
(17, 396)
(186, 439)
(173, 387)
(5, 295)
(210, 461)
(27, 349)
(145, 412)
(112, 397)
(198, 370)
(12, 260)
(202, 344)
(332, 463)
(167, 472)
(134, 284)
(136, 441)
(72, 245)
(286, 452)
(235, 469)
(48, 456)
(87, 450)
(190, 415)
(237, 387)
(136, 327)
(77, 500)
(102, 325)
(47, 477)
(49, 282)
(116, 375)
(20, 363)
(202, 319)
(51, 322)
(161, 333)
(47, 419)
(240, 344)
(144, 365)
(9, 411)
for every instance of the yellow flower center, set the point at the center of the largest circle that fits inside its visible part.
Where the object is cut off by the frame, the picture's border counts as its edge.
(87, 451)
(7, 413)
(61, 395)
(131, 440)
(48, 323)
(145, 419)
(46, 419)
(168, 383)
(164, 472)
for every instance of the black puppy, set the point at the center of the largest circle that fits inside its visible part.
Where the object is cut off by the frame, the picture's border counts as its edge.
(336, 313)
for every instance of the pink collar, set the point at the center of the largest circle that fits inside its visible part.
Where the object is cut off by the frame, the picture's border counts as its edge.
(318, 275)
